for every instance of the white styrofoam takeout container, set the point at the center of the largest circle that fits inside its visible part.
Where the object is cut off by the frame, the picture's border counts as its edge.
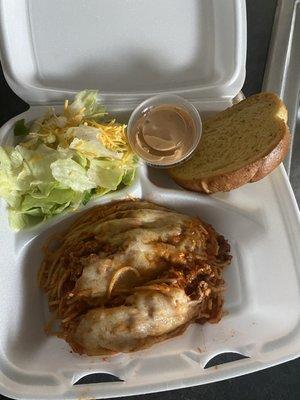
(131, 50)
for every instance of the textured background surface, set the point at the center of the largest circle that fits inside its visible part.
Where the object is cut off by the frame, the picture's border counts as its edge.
(277, 383)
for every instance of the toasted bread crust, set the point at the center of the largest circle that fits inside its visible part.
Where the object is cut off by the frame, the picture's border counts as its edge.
(271, 161)
(249, 173)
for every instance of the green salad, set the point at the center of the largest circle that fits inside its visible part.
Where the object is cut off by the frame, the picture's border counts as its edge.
(62, 161)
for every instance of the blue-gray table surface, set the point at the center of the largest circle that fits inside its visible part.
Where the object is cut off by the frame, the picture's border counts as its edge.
(278, 383)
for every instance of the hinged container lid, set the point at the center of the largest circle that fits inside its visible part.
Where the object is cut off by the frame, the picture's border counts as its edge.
(127, 49)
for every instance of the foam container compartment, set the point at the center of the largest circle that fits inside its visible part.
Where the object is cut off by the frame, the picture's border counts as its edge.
(262, 321)
(261, 220)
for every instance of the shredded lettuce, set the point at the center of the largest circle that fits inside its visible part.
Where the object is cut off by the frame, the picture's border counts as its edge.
(20, 128)
(86, 102)
(71, 175)
(128, 176)
(64, 161)
(87, 141)
(106, 173)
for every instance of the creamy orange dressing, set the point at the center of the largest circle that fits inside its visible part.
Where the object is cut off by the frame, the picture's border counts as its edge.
(163, 134)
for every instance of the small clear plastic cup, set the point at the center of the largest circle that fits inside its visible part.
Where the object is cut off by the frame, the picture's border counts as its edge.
(166, 100)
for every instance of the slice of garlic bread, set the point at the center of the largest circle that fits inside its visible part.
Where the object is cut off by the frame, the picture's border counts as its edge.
(239, 145)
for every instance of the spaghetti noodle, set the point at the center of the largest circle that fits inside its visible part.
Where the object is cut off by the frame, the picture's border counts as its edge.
(128, 274)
